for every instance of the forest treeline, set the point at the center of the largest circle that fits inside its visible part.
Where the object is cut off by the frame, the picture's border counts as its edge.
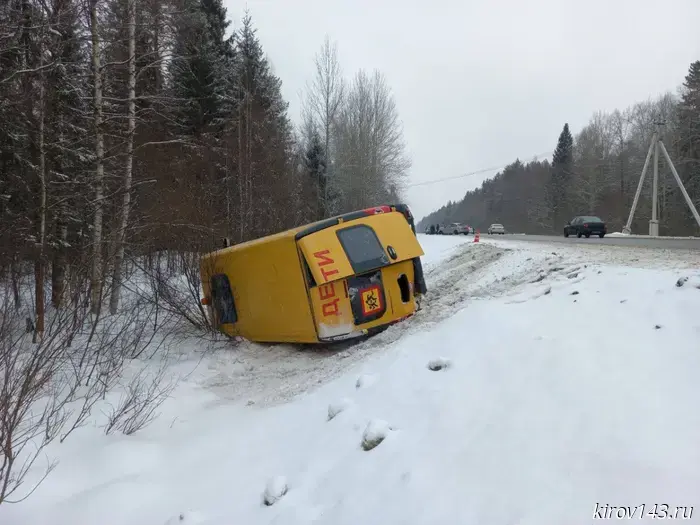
(596, 172)
(129, 127)
(135, 135)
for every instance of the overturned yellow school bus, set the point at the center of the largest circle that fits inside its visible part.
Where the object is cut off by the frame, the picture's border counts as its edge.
(343, 277)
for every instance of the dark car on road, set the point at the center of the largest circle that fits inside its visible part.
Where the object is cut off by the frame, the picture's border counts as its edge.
(586, 225)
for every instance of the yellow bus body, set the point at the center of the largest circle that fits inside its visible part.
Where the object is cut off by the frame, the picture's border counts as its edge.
(336, 279)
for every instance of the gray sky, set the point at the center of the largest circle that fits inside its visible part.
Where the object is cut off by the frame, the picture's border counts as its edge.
(479, 83)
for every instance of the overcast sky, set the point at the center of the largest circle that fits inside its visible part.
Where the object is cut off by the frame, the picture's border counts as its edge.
(479, 83)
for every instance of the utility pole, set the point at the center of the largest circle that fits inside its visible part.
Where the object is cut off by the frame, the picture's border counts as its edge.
(657, 144)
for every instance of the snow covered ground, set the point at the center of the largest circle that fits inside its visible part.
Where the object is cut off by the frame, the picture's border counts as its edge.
(537, 384)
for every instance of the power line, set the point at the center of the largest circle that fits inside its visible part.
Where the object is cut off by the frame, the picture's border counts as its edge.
(477, 172)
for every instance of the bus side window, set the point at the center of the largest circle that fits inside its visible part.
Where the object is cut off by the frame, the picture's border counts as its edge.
(222, 299)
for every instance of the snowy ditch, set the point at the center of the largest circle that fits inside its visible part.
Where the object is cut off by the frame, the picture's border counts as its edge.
(264, 375)
(489, 403)
(269, 374)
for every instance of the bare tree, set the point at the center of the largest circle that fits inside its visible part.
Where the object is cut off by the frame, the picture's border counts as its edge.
(620, 124)
(41, 240)
(99, 180)
(322, 105)
(372, 160)
(129, 162)
(592, 163)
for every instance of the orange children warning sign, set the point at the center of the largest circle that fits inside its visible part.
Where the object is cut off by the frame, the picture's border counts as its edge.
(371, 300)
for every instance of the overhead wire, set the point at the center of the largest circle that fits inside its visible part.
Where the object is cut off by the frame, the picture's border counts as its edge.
(477, 172)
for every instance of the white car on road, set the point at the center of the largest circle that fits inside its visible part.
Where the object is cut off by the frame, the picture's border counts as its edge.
(455, 228)
(496, 228)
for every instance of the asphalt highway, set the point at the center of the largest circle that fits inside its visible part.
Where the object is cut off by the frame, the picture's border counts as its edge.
(668, 244)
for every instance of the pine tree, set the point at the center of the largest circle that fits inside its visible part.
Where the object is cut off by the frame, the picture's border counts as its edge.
(264, 136)
(689, 141)
(200, 88)
(315, 162)
(15, 194)
(689, 114)
(202, 67)
(67, 148)
(558, 189)
(563, 155)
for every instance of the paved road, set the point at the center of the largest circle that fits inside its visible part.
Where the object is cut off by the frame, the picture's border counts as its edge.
(669, 244)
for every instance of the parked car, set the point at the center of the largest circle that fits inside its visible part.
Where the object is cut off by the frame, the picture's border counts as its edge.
(455, 228)
(496, 228)
(586, 225)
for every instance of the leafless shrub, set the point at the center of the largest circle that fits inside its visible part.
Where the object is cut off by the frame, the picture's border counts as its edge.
(50, 387)
(32, 402)
(137, 406)
(85, 402)
(175, 285)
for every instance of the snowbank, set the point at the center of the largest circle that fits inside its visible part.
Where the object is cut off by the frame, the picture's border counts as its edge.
(555, 402)
(639, 236)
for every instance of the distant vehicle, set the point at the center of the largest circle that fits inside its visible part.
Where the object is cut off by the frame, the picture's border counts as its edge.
(455, 228)
(496, 228)
(586, 225)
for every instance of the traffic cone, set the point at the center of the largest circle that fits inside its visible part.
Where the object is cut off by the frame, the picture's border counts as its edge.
(476, 237)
